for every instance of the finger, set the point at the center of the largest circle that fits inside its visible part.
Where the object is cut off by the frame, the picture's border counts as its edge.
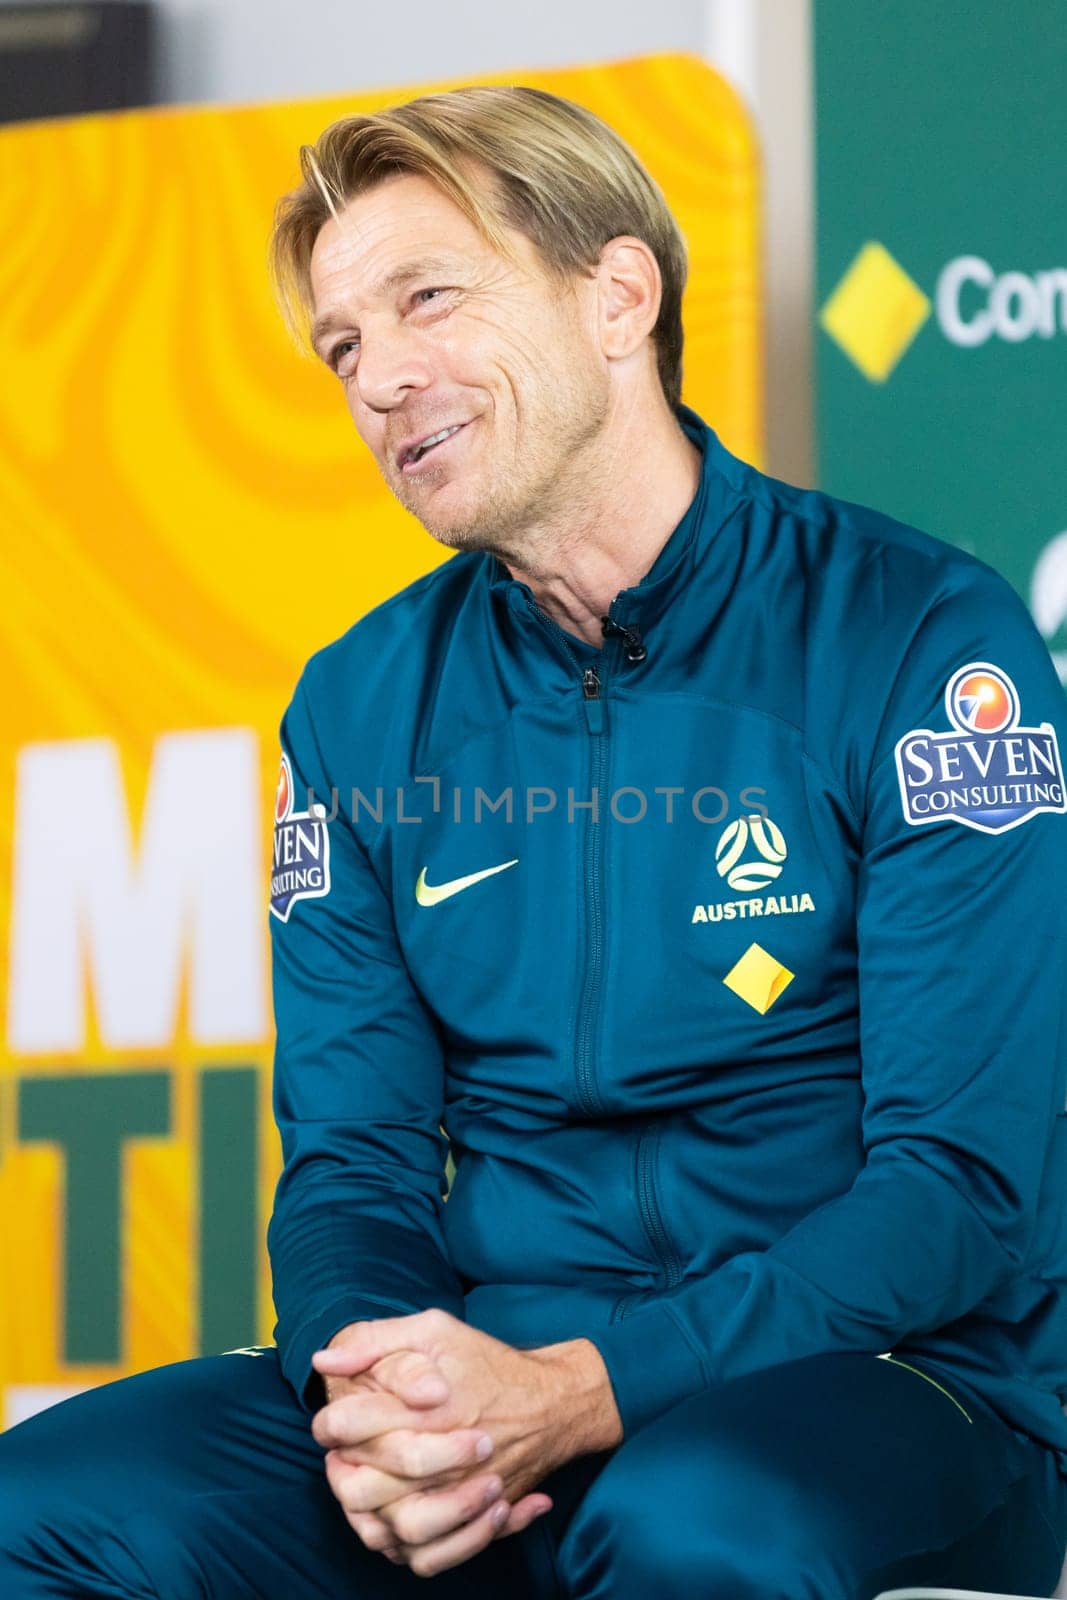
(358, 1416)
(522, 1513)
(418, 1518)
(366, 1342)
(341, 1361)
(412, 1390)
(409, 1453)
(428, 1559)
(525, 1511)
(374, 1533)
(362, 1489)
(414, 1377)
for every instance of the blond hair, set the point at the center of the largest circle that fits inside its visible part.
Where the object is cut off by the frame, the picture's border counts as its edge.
(559, 175)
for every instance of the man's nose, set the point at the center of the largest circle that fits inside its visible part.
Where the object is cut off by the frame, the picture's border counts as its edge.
(391, 362)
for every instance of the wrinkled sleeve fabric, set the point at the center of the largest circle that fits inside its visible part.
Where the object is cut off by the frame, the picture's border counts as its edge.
(358, 1088)
(960, 944)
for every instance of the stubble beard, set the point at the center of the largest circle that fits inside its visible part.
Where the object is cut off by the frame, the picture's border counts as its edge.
(516, 504)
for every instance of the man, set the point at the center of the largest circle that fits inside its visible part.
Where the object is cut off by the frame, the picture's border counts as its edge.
(691, 849)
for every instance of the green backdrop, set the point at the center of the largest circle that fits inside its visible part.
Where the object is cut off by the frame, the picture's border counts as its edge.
(941, 276)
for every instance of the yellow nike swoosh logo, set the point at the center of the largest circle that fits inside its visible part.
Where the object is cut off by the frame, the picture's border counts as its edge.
(428, 894)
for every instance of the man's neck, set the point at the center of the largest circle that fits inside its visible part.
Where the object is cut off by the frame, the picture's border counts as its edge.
(643, 487)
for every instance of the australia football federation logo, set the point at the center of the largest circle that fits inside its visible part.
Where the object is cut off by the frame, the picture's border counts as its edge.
(750, 853)
(300, 868)
(990, 772)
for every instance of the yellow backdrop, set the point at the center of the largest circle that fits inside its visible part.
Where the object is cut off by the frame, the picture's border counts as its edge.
(187, 514)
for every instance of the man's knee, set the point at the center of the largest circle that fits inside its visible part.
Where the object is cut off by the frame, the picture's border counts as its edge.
(32, 1469)
(60, 1535)
(51, 1542)
(69, 1480)
(664, 1544)
(23, 1505)
(670, 1520)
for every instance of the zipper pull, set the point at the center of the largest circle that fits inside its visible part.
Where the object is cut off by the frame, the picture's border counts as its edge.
(594, 709)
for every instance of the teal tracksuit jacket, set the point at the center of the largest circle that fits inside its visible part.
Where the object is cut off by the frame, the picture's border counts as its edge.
(729, 957)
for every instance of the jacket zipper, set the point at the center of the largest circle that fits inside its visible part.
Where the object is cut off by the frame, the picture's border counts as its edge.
(592, 685)
(652, 1217)
(592, 689)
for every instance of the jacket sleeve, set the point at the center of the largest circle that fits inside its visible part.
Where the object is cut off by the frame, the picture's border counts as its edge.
(358, 1088)
(960, 945)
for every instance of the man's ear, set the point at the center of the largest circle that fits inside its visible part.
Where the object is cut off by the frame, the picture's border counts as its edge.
(630, 288)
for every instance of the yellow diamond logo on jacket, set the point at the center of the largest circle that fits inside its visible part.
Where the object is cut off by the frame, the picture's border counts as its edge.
(877, 309)
(875, 312)
(758, 978)
(750, 855)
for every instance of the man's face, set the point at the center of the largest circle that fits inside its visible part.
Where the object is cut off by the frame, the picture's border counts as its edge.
(428, 328)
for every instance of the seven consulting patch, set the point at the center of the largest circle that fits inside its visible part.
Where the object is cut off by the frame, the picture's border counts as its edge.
(300, 866)
(988, 772)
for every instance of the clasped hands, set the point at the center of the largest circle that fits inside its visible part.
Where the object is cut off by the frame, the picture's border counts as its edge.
(435, 1431)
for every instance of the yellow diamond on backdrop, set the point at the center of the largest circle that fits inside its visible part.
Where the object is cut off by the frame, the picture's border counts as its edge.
(875, 312)
(758, 978)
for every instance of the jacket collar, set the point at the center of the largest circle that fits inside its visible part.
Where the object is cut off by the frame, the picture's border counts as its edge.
(647, 600)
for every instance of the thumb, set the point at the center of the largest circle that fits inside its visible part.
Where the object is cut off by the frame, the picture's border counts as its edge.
(356, 1347)
(413, 1377)
(343, 1361)
(410, 1374)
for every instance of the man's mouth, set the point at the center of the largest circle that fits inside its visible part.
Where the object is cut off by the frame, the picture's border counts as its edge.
(413, 454)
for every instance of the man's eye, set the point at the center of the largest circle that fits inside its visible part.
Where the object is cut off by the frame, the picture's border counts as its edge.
(420, 292)
(340, 351)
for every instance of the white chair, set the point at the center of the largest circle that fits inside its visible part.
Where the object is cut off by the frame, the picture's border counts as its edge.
(923, 1593)
(953, 1594)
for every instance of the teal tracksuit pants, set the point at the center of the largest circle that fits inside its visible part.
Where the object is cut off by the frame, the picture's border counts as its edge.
(831, 1478)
